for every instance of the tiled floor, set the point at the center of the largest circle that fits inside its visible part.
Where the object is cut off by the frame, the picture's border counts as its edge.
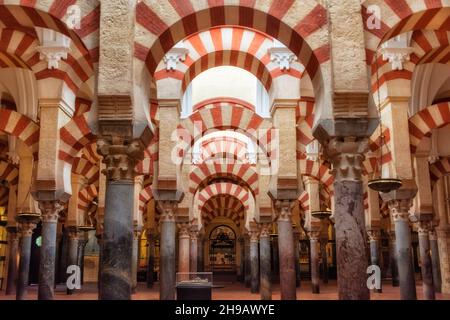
(231, 291)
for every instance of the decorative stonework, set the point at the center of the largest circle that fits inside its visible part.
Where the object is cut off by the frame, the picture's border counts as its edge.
(347, 155)
(424, 228)
(174, 56)
(183, 230)
(74, 234)
(50, 210)
(120, 157)
(433, 235)
(26, 228)
(397, 51)
(168, 209)
(194, 232)
(283, 57)
(373, 234)
(54, 47)
(254, 235)
(314, 235)
(400, 209)
(283, 209)
(264, 230)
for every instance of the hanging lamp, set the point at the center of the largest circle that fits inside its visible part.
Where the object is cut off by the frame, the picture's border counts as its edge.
(381, 184)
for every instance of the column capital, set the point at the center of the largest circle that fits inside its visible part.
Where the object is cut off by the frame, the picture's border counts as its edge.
(194, 232)
(432, 234)
(283, 209)
(168, 210)
(184, 230)
(50, 210)
(314, 235)
(374, 234)
(27, 223)
(400, 208)
(347, 155)
(74, 233)
(264, 230)
(424, 228)
(254, 235)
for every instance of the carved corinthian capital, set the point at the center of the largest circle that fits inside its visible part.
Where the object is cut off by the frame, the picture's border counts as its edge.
(120, 157)
(400, 209)
(50, 210)
(347, 155)
(168, 210)
(374, 234)
(283, 209)
(264, 230)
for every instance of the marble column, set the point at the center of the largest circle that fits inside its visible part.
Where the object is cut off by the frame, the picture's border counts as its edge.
(254, 261)
(150, 259)
(167, 250)
(63, 256)
(120, 156)
(247, 276)
(297, 257)
(241, 269)
(435, 261)
(393, 259)
(201, 254)
(80, 256)
(399, 210)
(264, 263)
(13, 252)
(323, 254)
(426, 266)
(346, 155)
(276, 261)
(314, 247)
(27, 225)
(183, 249)
(99, 276)
(374, 239)
(50, 211)
(286, 249)
(74, 236)
(134, 260)
(193, 249)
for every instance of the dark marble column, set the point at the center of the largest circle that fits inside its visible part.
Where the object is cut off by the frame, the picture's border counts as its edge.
(193, 249)
(426, 266)
(74, 236)
(99, 276)
(134, 260)
(435, 261)
(247, 276)
(399, 210)
(63, 257)
(393, 266)
(276, 261)
(27, 225)
(314, 247)
(80, 256)
(264, 261)
(13, 252)
(323, 254)
(374, 238)
(254, 261)
(241, 269)
(50, 211)
(286, 249)
(167, 250)
(346, 156)
(151, 258)
(201, 254)
(297, 257)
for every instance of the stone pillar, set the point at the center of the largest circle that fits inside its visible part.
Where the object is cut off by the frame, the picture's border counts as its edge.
(82, 241)
(247, 276)
(286, 249)
(99, 276)
(241, 269)
(201, 254)
(134, 260)
(167, 250)
(50, 211)
(254, 261)
(443, 232)
(264, 262)
(193, 249)
(393, 259)
(276, 261)
(183, 249)
(120, 156)
(27, 225)
(346, 156)
(13, 251)
(374, 239)
(297, 257)
(74, 236)
(437, 282)
(151, 258)
(314, 245)
(399, 210)
(426, 266)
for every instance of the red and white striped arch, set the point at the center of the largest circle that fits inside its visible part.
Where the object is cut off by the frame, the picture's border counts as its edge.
(300, 25)
(145, 196)
(85, 198)
(220, 146)
(233, 46)
(223, 188)
(427, 119)
(86, 169)
(90, 153)
(305, 121)
(223, 206)
(319, 171)
(22, 127)
(82, 106)
(245, 172)
(439, 169)
(223, 102)
(9, 172)
(400, 16)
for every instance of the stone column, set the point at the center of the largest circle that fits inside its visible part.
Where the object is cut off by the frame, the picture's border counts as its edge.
(201, 254)
(120, 156)
(99, 276)
(247, 276)
(323, 251)
(393, 259)
(50, 211)
(151, 258)
(297, 257)
(437, 282)
(399, 210)
(82, 241)
(426, 266)
(254, 261)
(13, 251)
(264, 262)
(167, 250)
(314, 245)
(346, 156)
(183, 248)
(27, 225)
(286, 249)
(276, 261)
(134, 260)
(74, 237)
(241, 269)
(374, 238)
(193, 249)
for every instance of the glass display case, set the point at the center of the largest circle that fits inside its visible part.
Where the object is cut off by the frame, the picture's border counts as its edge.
(194, 285)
